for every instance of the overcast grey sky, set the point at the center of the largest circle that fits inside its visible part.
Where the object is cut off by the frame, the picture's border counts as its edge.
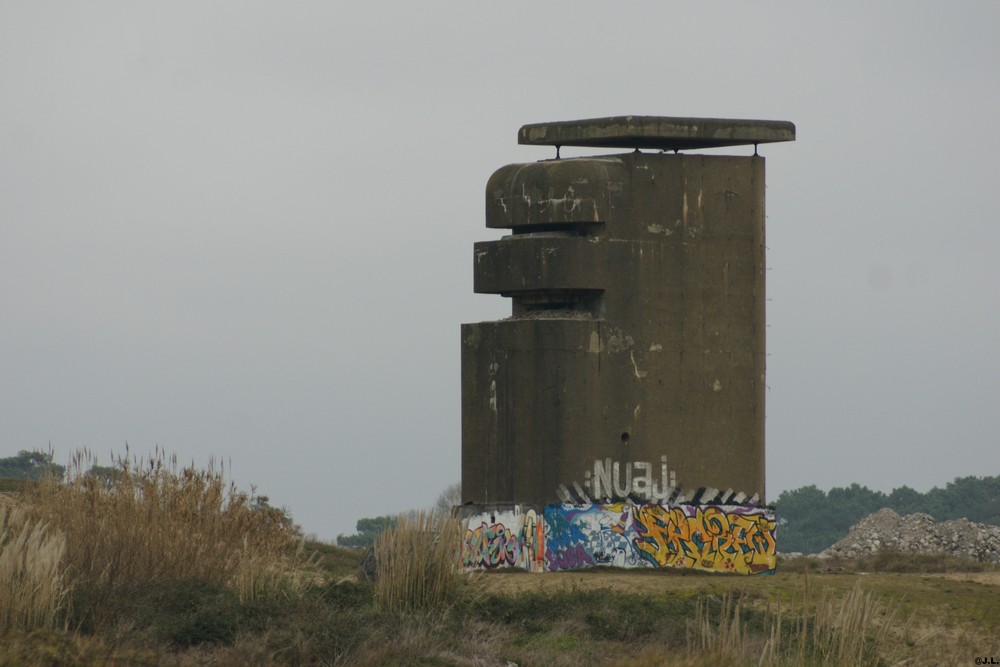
(244, 229)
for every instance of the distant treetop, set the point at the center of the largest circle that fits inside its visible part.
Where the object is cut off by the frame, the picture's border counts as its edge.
(31, 465)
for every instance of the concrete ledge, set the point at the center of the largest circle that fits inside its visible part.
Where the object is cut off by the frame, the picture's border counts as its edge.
(660, 132)
(524, 263)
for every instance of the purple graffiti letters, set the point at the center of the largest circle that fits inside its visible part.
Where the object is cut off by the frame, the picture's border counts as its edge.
(567, 558)
(490, 545)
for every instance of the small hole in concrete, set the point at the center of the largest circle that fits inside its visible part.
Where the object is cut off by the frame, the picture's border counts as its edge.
(625, 438)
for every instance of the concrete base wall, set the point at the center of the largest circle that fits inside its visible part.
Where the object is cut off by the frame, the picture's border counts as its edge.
(736, 539)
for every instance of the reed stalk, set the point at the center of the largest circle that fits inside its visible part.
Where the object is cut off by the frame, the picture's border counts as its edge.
(416, 563)
(32, 589)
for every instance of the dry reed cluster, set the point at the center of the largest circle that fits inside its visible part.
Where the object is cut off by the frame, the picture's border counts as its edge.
(416, 563)
(149, 521)
(31, 582)
(851, 631)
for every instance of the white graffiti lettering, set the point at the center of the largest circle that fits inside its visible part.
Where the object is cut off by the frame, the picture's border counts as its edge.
(620, 480)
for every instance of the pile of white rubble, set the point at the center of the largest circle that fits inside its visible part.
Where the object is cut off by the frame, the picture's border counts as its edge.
(919, 533)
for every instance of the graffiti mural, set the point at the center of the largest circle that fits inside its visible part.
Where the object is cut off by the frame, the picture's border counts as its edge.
(532, 542)
(704, 537)
(507, 538)
(492, 540)
(579, 535)
(717, 538)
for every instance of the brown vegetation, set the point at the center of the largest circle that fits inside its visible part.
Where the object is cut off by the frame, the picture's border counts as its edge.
(153, 521)
(158, 564)
(32, 589)
(416, 563)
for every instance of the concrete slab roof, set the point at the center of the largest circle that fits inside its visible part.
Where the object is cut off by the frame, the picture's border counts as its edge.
(660, 132)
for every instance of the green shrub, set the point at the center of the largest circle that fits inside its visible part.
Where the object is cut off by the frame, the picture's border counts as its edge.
(185, 612)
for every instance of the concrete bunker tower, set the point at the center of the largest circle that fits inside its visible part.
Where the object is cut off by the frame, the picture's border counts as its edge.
(634, 359)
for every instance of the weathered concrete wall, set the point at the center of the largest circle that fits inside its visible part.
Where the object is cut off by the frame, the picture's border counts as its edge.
(637, 330)
(717, 538)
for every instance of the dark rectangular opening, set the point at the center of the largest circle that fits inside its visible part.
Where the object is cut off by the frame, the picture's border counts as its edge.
(580, 303)
(565, 229)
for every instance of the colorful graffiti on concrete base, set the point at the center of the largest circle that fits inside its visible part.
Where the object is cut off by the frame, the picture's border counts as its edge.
(716, 538)
(507, 538)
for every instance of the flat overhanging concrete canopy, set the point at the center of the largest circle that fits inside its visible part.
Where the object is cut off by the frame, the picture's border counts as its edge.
(658, 132)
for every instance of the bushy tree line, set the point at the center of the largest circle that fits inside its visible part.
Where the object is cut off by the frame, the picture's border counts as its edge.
(811, 520)
(368, 529)
(371, 527)
(30, 465)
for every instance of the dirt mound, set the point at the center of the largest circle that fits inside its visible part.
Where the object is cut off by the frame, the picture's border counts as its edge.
(919, 533)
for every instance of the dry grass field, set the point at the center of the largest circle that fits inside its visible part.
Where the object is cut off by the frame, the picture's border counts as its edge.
(934, 618)
(890, 609)
(162, 565)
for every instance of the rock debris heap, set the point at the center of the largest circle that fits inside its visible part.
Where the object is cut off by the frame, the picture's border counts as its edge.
(919, 533)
